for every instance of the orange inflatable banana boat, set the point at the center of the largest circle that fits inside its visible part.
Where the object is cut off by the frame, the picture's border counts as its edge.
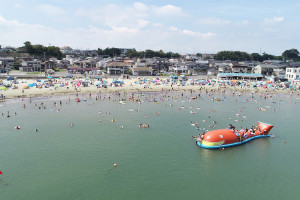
(231, 137)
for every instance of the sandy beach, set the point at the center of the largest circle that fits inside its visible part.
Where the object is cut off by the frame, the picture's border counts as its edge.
(66, 86)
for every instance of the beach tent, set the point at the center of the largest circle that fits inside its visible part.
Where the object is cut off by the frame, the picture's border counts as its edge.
(50, 77)
(3, 88)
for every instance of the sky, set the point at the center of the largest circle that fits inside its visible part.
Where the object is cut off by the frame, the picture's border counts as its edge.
(189, 26)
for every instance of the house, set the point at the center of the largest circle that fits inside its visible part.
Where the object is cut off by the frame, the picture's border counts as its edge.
(264, 69)
(292, 73)
(279, 73)
(49, 64)
(236, 67)
(179, 68)
(31, 66)
(63, 64)
(142, 71)
(6, 64)
(223, 67)
(116, 68)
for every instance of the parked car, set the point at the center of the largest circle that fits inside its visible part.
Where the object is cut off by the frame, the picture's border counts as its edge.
(68, 76)
(9, 78)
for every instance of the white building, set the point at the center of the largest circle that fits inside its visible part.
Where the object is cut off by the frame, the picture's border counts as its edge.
(292, 74)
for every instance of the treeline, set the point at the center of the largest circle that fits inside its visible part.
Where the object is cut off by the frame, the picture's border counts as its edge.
(137, 54)
(41, 51)
(291, 54)
(150, 54)
(111, 52)
(244, 56)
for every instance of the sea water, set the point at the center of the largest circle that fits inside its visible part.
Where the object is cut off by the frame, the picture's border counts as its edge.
(160, 162)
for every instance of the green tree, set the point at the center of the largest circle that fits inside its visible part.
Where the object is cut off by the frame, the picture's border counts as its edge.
(39, 50)
(266, 56)
(100, 51)
(256, 57)
(28, 47)
(17, 65)
(233, 55)
(290, 54)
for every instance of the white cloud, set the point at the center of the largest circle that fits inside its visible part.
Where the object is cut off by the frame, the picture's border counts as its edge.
(157, 25)
(213, 21)
(172, 28)
(167, 10)
(51, 10)
(197, 34)
(18, 5)
(191, 33)
(115, 16)
(273, 20)
(140, 6)
(245, 22)
(16, 24)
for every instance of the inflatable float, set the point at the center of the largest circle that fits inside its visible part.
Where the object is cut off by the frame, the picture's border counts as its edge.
(223, 138)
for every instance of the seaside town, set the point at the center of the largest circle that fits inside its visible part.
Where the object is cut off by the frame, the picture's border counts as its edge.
(67, 70)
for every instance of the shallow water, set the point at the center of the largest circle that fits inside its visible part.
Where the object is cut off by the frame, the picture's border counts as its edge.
(160, 162)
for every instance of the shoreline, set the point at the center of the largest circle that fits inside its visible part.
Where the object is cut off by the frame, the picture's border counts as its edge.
(129, 85)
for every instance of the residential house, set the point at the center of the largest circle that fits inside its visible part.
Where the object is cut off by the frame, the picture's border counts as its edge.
(31, 66)
(63, 64)
(6, 64)
(116, 68)
(49, 64)
(279, 73)
(142, 68)
(179, 68)
(264, 69)
(223, 67)
(142, 71)
(236, 67)
(292, 73)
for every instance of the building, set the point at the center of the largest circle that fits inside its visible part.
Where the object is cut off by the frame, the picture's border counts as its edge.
(116, 68)
(6, 64)
(142, 71)
(31, 66)
(236, 67)
(239, 76)
(292, 73)
(264, 69)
